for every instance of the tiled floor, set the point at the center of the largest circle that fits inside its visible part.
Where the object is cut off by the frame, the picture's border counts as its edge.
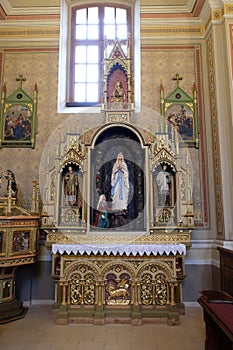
(38, 331)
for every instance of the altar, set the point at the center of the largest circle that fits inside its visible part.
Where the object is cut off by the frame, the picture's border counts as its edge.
(117, 209)
(126, 283)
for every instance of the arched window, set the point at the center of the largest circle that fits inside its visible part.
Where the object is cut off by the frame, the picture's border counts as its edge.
(90, 27)
(85, 27)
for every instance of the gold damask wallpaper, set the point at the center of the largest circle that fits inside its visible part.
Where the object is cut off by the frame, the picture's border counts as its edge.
(159, 64)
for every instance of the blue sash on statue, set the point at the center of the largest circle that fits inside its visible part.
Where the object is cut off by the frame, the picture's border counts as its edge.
(118, 180)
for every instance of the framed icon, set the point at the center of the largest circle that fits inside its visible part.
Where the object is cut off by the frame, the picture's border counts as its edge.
(18, 124)
(21, 242)
(180, 111)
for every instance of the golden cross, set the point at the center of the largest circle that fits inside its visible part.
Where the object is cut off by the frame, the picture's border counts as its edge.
(177, 78)
(20, 79)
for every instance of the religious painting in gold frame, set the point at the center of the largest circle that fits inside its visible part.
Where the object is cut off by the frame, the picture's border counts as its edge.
(21, 242)
(18, 123)
(180, 111)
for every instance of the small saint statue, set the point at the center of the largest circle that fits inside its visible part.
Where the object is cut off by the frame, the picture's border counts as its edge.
(163, 180)
(118, 94)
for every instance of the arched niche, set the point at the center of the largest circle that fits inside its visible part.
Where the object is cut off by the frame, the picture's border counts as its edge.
(164, 185)
(71, 200)
(107, 145)
(116, 77)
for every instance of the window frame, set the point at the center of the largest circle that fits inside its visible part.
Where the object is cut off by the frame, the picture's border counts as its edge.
(64, 56)
(100, 42)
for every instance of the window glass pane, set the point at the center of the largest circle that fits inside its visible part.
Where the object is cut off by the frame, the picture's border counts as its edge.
(93, 32)
(90, 31)
(124, 49)
(121, 16)
(92, 54)
(92, 93)
(81, 16)
(92, 73)
(80, 92)
(109, 49)
(109, 31)
(109, 15)
(80, 54)
(93, 15)
(81, 32)
(122, 31)
(80, 73)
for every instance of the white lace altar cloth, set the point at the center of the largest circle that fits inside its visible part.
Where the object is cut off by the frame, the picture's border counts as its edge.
(128, 249)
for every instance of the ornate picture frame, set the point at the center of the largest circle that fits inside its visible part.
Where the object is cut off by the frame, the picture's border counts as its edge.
(180, 111)
(21, 242)
(18, 122)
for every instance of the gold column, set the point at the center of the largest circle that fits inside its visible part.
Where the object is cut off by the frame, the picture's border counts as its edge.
(68, 293)
(172, 286)
(63, 286)
(135, 291)
(99, 286)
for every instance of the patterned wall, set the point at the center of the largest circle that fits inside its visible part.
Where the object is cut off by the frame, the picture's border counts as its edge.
(41, 68)
(158, 65)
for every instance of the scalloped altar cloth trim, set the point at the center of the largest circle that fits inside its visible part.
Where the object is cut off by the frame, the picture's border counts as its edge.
(134, 249)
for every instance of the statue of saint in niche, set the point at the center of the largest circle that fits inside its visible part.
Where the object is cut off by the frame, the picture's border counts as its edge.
(163, 181)
(118, 94)
(71, 187)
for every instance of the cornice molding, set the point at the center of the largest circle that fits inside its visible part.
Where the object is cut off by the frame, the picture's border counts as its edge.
(215, 4)
(188, 8)
(26, 11)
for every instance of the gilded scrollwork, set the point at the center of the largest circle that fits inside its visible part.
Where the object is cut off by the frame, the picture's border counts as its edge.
(161, 287)
(82, 288)
(164, 237)
(146, 289)
(153, 289)
(165, 216)
(70, 216)
(75, 289)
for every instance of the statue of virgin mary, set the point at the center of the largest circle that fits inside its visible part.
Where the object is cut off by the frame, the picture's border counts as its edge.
(120, 184)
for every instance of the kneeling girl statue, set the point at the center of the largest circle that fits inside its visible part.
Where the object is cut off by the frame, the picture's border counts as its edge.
(102, 207)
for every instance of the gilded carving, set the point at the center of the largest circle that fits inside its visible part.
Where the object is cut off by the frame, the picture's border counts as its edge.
(118, 295)
(154, 289)
(165, 215)
(18, 261)
(82, 287)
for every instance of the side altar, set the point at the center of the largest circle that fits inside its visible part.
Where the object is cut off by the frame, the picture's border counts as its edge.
(117, 209)
(19, 230)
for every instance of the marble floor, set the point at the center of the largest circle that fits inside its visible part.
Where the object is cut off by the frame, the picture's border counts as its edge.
(38, 331)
